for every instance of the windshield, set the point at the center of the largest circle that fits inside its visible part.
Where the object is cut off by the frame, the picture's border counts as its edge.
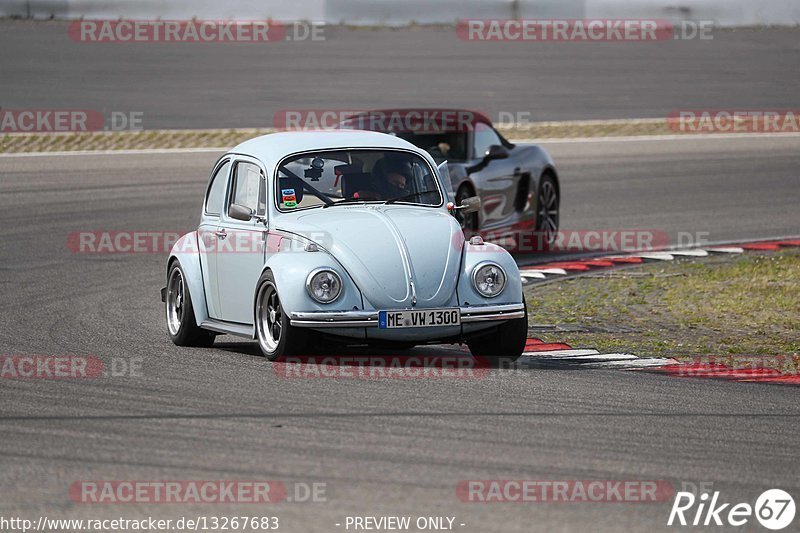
(327, 178)
(441, 146)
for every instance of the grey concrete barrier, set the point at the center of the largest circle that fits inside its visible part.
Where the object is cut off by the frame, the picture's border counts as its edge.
(403, 12)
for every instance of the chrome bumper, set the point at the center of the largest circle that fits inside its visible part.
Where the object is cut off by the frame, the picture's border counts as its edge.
(367, 319)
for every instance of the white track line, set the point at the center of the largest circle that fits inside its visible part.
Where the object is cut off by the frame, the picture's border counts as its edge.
(537, 275)
(690, 253)
(559, 353)
(553, 271)
(660, 256)
(727, 250)
(648, 138)
(602, 357)
(632, 364)
(118, 152)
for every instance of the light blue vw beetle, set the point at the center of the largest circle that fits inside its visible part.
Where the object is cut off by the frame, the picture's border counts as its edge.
(339, 236)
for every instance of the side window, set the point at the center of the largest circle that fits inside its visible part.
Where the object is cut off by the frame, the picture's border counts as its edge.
(484, 138)
(216, 192)
(248, 187)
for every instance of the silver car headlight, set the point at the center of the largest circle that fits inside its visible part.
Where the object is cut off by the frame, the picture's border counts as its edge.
(489, 279)
(324, 285)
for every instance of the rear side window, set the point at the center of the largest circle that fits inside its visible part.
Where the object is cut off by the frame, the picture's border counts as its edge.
(248, 187)
(216, 192)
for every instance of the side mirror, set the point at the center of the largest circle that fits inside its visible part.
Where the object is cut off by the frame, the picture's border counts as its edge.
(240, 212)
(470, 205)
(495, 151)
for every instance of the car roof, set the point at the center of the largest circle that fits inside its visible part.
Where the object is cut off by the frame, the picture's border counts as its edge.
(272, 147)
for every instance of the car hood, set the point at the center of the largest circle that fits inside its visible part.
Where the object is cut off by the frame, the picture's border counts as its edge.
(393, 253)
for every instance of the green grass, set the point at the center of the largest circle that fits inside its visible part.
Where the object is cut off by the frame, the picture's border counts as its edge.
(743, 305)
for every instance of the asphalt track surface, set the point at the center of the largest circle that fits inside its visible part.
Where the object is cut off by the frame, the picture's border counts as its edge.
(384, 447)
(244, 84)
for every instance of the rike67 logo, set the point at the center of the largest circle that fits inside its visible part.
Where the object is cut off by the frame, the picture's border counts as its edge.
(774, 509)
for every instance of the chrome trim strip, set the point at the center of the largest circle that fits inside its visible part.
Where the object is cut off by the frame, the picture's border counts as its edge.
(362, 319)
(483, 313)
(334, 319)
(240, 330)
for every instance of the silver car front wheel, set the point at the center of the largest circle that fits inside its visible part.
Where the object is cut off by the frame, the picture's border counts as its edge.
(269, 318)
(276, 337)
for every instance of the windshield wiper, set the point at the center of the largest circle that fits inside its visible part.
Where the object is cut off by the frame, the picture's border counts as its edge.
(345, 201)
(409, 196)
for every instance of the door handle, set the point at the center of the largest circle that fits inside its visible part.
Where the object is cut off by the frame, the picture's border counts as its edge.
(221, 234)
(517, 171)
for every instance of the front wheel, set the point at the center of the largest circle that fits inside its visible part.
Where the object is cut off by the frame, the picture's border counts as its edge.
(547, 205)
(276, 336)
(506, 343)
(181, 325)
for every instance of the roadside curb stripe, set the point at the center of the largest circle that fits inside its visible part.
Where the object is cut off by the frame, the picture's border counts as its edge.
(547, 347)
(657, 256)
(631, 259)
(557, 354)
(543, 353)
(632, 364)
(690, 253)
(529, 274)
(727, 250)
(553, 355)
(768, 246)
(532, 273)
(729, 373)
(550, 354)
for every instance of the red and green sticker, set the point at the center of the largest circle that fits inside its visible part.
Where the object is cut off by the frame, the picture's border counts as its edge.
(288, 198)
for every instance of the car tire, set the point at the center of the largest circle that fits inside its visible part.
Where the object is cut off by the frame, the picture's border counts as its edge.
(468, 221)
(181, 325)
(276, 336)
(547, 209)
(505, 344)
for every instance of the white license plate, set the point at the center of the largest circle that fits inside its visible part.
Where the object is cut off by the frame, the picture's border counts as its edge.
(419, 318)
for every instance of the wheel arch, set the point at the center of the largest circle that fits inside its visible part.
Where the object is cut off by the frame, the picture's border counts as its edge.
(185, 253)
(290, 271)
(551, 171)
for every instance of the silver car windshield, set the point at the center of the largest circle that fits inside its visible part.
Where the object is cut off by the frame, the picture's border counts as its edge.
(327, 178)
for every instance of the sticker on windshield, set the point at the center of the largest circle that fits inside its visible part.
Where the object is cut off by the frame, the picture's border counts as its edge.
(288, 198)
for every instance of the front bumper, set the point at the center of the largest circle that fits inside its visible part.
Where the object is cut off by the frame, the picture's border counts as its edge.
(369, 319)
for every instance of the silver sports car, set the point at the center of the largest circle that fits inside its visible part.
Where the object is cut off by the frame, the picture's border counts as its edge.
(517, 183)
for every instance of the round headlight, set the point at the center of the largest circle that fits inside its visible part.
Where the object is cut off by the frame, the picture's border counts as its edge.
(489, 279)
(324, 285)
